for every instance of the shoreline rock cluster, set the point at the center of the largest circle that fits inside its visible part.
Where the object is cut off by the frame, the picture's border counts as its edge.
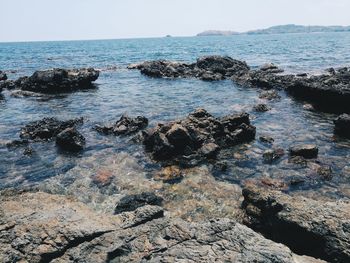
(198, 137)
(329, 91)
(54, 81)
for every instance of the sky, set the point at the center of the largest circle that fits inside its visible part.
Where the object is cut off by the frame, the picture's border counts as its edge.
(39, 20)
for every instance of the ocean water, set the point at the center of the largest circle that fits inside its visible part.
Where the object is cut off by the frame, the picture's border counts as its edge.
(205, 190)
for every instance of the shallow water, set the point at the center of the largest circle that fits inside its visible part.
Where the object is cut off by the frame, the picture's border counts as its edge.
(204, 191)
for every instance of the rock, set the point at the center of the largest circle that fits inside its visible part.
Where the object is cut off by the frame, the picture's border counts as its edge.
(47, 128)
(197, 137)
(28, 151)
(70, 140)
(132, 202)
(328, 92)
(308, 226)
(273, 155)
(8, 84)
(298, 160)
(61, 229)
(124, 126)
(301, 75)
(342, 125)
(271, 68)
(210, 68)
(308, 151)
(325, 172)
(170, 174)
(266, 139)
(17, 143)
(3, 76)
(269, 95)
(261, 108)
(56, 81)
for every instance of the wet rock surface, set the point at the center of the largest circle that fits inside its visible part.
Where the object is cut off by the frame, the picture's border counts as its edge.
(124, 126)
(329, 91)
(313, 227)
(47, 128)
(132, 202)
(64, 230)
(55, 81)
(261, 108)
(3, 76)
(307, 151)
(70, 140)
(198, 137)
(342, 125)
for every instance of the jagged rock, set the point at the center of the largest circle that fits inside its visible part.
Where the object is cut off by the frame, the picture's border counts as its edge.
(308, 151)
(308, 226)
(17, 143)
(342, 125)
(47, 128)
(70, 140)
(273, 155)
(266, 139)
(261, 108)
(56, 81)
(39, 227)
(3, 76)
(271, 68)
(208, 68)
(197, 137)
(124, 126)
(132, 202)
(269, 95)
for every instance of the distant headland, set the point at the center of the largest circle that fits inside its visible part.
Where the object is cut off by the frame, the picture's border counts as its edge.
(281, 29)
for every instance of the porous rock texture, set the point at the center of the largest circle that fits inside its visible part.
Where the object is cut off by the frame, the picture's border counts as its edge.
(39, 227)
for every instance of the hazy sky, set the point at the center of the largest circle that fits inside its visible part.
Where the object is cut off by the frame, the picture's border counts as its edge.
(23, 20)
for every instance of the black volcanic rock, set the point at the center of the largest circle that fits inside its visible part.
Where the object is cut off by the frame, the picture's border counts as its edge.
(307, 151)
(70, 140)
(198, 137)
(124, 126)
(56, 81)
(47, 128)
(342, 125)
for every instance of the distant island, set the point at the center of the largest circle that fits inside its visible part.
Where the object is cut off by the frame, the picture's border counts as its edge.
(281, 29)
(217, 33)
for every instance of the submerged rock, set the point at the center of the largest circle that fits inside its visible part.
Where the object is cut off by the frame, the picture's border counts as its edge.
(70, 140)
(266, 139)
(47, 128)
(198, 137)
(170, 174)
(342, 125)
(308, 151)
(269, 95)
(132, 202)
(312, 227)
(56, 81)
(273, 155)
(124, 126)
(60, 229)
(261, 108)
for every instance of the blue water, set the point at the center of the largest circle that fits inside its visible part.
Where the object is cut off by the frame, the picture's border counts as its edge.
(124, 91)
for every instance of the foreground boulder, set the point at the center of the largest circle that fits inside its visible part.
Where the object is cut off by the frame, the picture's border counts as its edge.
(70, 140)
(47, 128)
(56, 81)
(124, 126)
(307, 226)
(342, 125)
(198, 137)
(60, 229)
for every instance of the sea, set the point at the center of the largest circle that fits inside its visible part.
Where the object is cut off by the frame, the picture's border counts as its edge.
(205, 190)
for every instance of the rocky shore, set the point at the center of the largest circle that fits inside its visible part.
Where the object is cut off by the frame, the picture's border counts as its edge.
(329, 91)
(274, 225)
(61, 229)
